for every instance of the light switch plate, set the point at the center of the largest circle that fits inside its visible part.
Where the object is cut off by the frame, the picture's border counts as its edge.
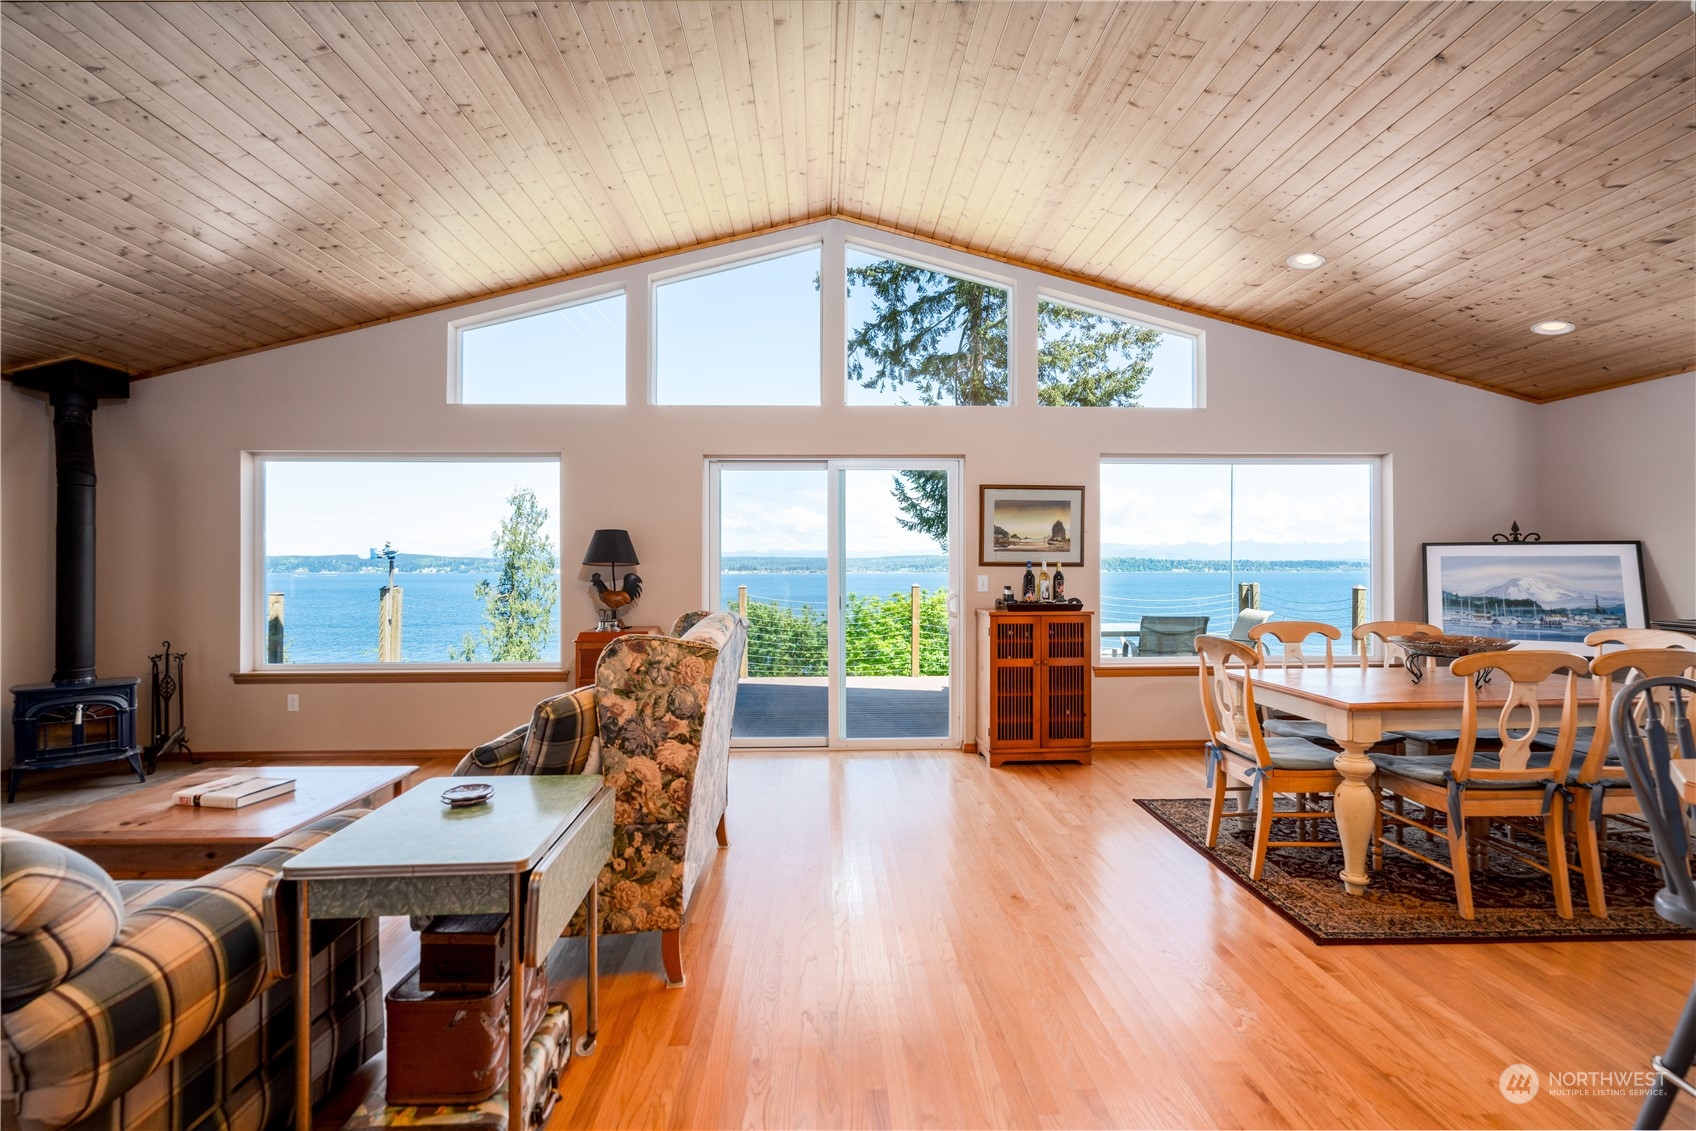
(983, 583)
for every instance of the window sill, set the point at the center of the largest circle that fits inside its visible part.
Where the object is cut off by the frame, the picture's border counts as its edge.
(1131, 670)
(416, 675)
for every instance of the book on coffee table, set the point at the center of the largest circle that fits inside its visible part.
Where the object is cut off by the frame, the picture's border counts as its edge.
(234, 792)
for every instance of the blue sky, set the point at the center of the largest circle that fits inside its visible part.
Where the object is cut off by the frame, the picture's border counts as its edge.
(448, 507)
(748, 334)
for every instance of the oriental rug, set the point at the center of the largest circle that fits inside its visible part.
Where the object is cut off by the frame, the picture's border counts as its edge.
(1411, 902)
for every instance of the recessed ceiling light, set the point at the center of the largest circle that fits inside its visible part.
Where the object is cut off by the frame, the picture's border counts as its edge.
(1552, 326)
(1305, 260)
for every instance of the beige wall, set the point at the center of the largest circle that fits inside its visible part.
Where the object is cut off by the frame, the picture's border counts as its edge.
(1461, 464)
(1621, 464)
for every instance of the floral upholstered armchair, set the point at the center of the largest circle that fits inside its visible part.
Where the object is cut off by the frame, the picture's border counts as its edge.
(656, 725)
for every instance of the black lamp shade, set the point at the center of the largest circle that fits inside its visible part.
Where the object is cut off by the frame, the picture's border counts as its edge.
(611, 547)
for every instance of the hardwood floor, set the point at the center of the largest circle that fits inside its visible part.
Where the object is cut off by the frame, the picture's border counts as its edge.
(913, 940)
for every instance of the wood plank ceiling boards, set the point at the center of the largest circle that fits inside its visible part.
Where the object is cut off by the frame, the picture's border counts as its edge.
(184, 182)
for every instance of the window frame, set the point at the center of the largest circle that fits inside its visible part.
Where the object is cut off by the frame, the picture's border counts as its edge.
(1380, 595)
(456, 345)
(714, 266)
(256, 669)
(1197, 338)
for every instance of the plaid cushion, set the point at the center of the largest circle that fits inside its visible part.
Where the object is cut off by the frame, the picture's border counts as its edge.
(562, 737)
(180, 967)
(59, 911)
(497, 757)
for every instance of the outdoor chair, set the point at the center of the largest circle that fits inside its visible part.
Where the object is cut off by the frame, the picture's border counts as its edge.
(1169, 635)
(1647, 740)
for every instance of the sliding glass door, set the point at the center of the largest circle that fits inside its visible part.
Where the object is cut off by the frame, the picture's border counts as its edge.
(848, 574)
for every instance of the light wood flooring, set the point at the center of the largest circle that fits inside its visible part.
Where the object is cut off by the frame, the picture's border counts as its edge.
(913, 940)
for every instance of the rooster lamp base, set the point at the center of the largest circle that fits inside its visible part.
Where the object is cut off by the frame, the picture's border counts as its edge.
(611, 603)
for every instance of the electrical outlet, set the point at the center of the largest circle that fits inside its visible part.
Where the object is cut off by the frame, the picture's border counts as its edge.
(294, 702)
(983, 583)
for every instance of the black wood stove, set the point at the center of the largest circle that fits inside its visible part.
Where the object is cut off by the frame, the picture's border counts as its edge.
(79, 718)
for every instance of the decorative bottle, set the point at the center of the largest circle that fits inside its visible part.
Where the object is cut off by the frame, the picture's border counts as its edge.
(1059, 583)
(1044, 587)
(1027, 592)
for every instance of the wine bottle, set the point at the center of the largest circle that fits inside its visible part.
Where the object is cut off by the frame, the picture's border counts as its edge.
(1059, 583)
(1028, 591)
(1044, 586)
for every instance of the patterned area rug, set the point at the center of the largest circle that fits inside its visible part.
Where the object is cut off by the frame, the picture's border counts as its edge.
(1411, 902)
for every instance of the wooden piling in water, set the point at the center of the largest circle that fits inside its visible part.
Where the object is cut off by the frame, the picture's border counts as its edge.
(273, 628)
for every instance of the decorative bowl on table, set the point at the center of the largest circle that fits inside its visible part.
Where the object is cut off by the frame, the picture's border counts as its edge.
(1449, 646)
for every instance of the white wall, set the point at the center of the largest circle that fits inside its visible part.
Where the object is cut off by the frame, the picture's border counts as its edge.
(1620, 465)
(1461, 464)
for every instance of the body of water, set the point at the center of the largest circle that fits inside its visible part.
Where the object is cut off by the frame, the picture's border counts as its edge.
(1125, 597)
(331, 618)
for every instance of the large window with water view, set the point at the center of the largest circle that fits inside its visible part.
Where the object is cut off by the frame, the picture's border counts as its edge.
(1187, 545)
(408, 561)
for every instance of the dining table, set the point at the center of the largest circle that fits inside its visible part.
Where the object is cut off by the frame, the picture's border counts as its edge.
(1359, 706)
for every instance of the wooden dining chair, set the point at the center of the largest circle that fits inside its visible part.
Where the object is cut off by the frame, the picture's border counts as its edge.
(1379, 632)
(1473, 787)
(1640, 638)
(1243, 760)
(1600, 789)
(1292, 637)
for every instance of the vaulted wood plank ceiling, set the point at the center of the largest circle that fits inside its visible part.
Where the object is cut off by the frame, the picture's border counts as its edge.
(184, 182)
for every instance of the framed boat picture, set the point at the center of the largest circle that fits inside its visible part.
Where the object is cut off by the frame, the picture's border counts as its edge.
(1020, 524)
(1539, 594)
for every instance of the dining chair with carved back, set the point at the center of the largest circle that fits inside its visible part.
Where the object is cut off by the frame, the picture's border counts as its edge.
(1379, 632)
(1292, 637)
(1473, 787)
(1243, 759)
(1598, 781)
(1649, 742)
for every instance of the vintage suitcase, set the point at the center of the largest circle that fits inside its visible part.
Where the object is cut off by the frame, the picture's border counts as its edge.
(463, 954)
(452, 1048)
(545, 1059)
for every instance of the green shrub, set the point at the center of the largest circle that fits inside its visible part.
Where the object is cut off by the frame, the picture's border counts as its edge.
(792, 642)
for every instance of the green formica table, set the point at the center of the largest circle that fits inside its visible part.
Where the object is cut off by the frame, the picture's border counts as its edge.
(533, 850)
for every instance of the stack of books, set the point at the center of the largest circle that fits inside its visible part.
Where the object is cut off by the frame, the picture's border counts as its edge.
(234, 792)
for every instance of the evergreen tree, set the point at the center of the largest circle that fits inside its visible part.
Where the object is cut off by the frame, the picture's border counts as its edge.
(944, 340)
(518, 607)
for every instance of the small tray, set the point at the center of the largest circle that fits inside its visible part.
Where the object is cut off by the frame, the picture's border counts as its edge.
(464, 796)
(1069, 603)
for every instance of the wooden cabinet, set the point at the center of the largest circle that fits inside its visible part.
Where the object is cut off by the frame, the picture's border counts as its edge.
(1034, 677)
(590, 645)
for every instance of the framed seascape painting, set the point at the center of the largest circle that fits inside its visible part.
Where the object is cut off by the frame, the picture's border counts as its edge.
(1543, 594)
(1020, 524)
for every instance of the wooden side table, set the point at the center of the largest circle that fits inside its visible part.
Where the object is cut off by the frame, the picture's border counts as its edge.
(591, 644)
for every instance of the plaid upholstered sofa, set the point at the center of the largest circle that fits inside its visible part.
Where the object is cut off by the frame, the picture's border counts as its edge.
(161, 1004)
(656, 724)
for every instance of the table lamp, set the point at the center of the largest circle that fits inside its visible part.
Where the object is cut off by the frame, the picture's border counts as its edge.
(612, 548)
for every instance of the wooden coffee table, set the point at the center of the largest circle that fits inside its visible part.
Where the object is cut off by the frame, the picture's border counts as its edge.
(143, 834)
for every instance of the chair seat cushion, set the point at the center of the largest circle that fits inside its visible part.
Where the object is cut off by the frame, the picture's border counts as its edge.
(1315, 732)
(59, 911)
(1449, 737)
(1299, 754)
(1432, 769)
(1549, 737)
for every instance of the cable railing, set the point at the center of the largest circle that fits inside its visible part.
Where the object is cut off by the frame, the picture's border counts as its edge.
(898, 635)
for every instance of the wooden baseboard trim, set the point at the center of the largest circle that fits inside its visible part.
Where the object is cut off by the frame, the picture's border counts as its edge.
(1152, 746)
